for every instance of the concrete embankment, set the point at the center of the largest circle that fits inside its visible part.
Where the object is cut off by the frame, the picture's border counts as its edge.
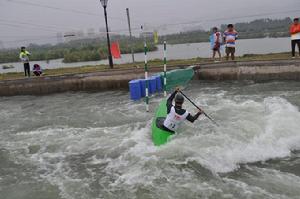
(118, 79)
(255, 70)
(98, 81)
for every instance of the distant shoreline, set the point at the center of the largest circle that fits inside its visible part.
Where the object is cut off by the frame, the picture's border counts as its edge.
(188, 43)
(174, 52)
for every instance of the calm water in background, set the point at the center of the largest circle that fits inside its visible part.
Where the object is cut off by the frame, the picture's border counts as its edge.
(178, 51)
(98, 145)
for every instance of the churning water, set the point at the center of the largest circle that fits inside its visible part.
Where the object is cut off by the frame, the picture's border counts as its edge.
(98, 145)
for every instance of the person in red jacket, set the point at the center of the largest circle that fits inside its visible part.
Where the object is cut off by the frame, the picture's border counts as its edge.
(295, 36)
(217, 40)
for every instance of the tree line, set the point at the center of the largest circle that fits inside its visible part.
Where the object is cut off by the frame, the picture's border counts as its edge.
(76, 50)
(96, 49)
(259, 28)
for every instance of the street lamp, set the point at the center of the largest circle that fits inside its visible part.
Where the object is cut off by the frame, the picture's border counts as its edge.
(104, 4)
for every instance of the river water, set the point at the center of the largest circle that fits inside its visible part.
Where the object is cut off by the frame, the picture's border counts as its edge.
(178, 51)
(98, 145)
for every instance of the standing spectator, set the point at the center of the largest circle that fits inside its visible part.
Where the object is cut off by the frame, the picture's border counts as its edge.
(24, 57)
(295, 36)
(230, 35)
(217, 40)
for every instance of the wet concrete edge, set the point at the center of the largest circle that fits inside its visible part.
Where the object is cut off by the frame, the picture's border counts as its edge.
(257, 71)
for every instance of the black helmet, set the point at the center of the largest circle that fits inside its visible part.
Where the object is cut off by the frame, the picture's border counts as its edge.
(179, 99)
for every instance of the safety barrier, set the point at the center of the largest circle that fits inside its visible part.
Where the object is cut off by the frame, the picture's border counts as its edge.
(137, 87)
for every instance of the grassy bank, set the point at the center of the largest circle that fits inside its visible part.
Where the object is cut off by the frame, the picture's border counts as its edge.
(152, 63)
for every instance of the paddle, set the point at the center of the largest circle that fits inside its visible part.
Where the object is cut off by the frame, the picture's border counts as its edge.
(199, 108)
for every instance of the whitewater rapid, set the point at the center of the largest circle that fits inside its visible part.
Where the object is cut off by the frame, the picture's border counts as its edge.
(98, 145)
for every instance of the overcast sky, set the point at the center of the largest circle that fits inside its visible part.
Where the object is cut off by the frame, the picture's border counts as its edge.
(39, 20)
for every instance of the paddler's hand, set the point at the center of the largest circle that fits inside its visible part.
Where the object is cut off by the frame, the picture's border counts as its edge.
(200, 111)
(177, 89)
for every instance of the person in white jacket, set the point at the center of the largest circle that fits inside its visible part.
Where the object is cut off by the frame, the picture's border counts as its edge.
(217, 41)
(24, 57)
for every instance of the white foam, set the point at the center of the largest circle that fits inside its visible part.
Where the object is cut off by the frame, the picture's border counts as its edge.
(255, 136)
(275, 137)
(251, 130)
(269, 182)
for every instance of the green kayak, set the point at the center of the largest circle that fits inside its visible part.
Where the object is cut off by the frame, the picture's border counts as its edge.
(174, 78)
(160, 136)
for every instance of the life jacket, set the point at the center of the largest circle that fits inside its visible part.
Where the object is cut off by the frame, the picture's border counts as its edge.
(295, 31)
(173, 120)
(24, 56)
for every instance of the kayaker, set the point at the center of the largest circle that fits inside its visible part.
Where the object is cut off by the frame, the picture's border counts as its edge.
(176, 114)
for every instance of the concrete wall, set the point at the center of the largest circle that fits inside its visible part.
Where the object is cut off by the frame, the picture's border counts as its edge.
(255, 70)
(48, 85)
(98, 81)
(118, 79)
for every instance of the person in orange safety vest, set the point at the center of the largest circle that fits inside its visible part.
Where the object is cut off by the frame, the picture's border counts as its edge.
(295, 36)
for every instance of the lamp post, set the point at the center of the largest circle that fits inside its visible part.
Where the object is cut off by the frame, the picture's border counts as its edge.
(104, 4)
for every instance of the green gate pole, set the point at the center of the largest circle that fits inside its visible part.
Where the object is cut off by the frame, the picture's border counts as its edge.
(165, 68)
(146, 78)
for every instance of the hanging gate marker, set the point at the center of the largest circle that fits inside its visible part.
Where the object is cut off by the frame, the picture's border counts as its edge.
(165, 68)
(146, 78)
